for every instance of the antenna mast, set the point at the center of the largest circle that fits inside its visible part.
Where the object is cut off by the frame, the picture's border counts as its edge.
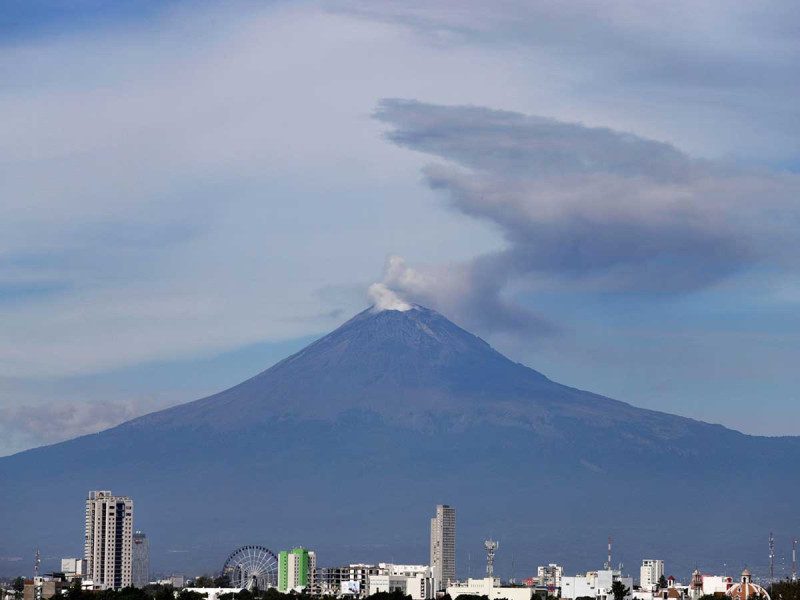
(608, 562)
(37, 565)
(491, 547)
(794, 560)
(771, 559)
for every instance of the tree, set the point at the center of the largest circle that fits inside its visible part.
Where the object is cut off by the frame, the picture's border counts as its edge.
(19, 584)
(395, 595)
(165, 592)
(619, 590)
(191, 595)
(662, 582)
(130, 593)
(76, 592)
(785, 590)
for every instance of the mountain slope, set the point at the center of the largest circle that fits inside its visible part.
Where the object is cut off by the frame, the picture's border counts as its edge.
(348, 444)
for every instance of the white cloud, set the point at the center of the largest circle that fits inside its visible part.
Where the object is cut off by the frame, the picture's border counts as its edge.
(186, 188)
(39, 423)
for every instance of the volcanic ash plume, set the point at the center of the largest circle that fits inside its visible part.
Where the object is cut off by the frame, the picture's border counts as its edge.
(384, 298)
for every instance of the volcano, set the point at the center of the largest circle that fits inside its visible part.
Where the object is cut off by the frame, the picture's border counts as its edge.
(347, 446)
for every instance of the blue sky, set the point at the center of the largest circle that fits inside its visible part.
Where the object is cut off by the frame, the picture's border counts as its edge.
(604, 191)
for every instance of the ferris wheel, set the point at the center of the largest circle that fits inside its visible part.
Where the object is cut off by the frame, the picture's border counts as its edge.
(252, 567)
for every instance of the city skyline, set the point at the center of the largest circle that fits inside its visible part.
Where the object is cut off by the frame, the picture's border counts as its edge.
(295, 568)
(108, 522)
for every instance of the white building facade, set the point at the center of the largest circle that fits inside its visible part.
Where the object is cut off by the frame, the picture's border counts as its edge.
(443, 546)
(594, 584)
(650, 572)
(73, 567)
(716, 584)
(489, 587)
(412, 580)
(108, 540)
(550, 576)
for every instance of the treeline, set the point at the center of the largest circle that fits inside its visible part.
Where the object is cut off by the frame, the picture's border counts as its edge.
(166, 592)
(785, 590)
(150, 592)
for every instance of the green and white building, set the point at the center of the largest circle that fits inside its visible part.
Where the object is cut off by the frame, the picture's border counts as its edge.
(296, 568)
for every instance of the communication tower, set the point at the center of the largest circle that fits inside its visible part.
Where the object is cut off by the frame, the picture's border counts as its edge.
(491, 547)
(771, 559)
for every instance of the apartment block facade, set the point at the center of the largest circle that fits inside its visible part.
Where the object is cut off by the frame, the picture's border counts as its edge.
(109, 539)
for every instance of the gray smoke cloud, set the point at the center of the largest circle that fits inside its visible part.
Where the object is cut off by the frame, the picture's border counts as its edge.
(585, 207)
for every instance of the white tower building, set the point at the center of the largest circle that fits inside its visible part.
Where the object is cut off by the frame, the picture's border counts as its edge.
(650, 572)
(109, 540)
(443, 546)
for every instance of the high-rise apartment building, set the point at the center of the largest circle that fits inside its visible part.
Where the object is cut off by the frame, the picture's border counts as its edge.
(109, 540)
(140, 565)
(650, 572)
(443, 546)
(296, 569)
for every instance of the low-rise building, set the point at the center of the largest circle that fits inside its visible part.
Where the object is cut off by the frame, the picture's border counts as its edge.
(419, 587)
(351, 580)
(176, 581)
(716, 584)
(43, 588)
(594, 584)
(73, 567)
(412, 580)
(489, 587)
